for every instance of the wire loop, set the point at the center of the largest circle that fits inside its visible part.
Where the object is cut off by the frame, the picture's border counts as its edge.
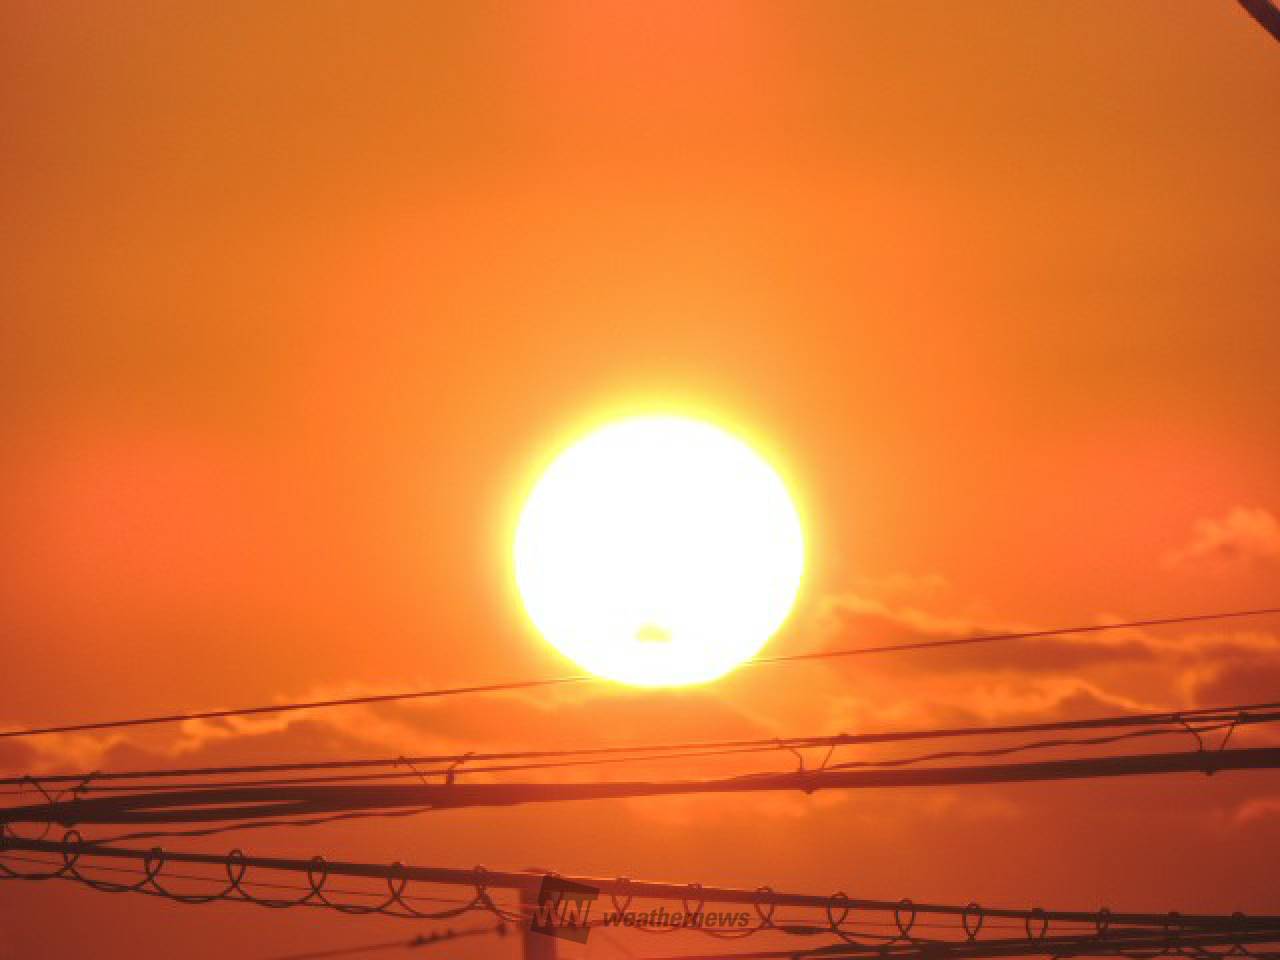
(236, 868)
(1136, 937)
(904, 917)
(317, 874)
(1039, 932)
(696, 890)
(153, 863)
(765, 915)
(972, 919)
(837, 900)
(625, 905)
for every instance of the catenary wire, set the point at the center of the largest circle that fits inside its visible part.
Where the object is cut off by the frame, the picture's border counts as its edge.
(553, 681)
(622, 892)
(1242, 714)
(765, 746)
(422, 940)
(248, 803)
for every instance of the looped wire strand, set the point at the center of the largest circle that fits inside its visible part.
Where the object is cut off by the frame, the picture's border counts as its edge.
(482, 900)
(765, 916)
(31, 781)
(317, 876)
(236, 868)
(1102, 922)
(905, 908)
(1038, 933)
(972, 919)
(157, 863)
(71, 857)
(1181, 937)
(836, 926)
(696, 890)
(625, 905)
(396, 883)
(153, 863)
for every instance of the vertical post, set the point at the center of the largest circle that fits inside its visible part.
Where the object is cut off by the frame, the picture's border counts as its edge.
(537, 946)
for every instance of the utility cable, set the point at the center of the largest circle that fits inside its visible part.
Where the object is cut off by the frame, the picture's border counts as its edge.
(554, 681)
(1242, 714)
(256, 803)
(622, 892)
(422, 940)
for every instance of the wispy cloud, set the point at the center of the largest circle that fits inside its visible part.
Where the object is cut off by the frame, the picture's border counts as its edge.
(1255, 811)
(1246, 535)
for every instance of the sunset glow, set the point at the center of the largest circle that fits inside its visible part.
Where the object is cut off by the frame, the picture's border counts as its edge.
(755, 449)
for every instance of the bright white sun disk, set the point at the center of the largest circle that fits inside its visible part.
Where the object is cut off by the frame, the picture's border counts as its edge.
(659, 551)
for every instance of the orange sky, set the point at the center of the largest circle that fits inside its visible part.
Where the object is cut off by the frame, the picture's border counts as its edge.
(297, 298)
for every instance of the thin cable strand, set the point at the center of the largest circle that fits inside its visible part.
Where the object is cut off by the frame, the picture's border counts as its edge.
(258, 803)
(554, 681)
(763, 747)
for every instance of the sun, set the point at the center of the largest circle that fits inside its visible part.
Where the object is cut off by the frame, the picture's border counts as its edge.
(659, 551)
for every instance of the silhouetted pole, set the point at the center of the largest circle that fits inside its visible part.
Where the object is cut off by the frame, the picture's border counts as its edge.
(537, 946)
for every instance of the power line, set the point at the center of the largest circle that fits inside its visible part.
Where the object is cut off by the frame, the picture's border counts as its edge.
(1196, 727)
(622, 893)
(422, 940)
(269, 824)
(553, 681)
(1135, 936)
(458, 763)
(287, 707)
(257, 803)
(1136, 945)
(1236, 929)
(513, 909)
(1266, 13)
(257, 884)
(1022, 635)
(897, 762)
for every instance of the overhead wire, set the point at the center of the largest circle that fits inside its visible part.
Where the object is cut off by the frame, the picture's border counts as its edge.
(254, 803)
(443, 764)
(1136, 945)
(260, 884)
(318, 821)
(763, 746)
(838, 909)
(1266, 13)
(555, 681)
(422, 940)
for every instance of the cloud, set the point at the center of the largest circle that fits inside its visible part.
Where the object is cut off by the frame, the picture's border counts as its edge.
(1241, 679)
(1064, 677)
(852, 620)
(1257, 811)
(1124, 670)
(1246, 535)
(15, 755)
(518, 720)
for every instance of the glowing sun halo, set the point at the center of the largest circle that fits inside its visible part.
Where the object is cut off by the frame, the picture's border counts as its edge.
(659, 551)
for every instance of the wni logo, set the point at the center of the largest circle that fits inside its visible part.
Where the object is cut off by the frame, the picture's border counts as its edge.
(563, 909)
